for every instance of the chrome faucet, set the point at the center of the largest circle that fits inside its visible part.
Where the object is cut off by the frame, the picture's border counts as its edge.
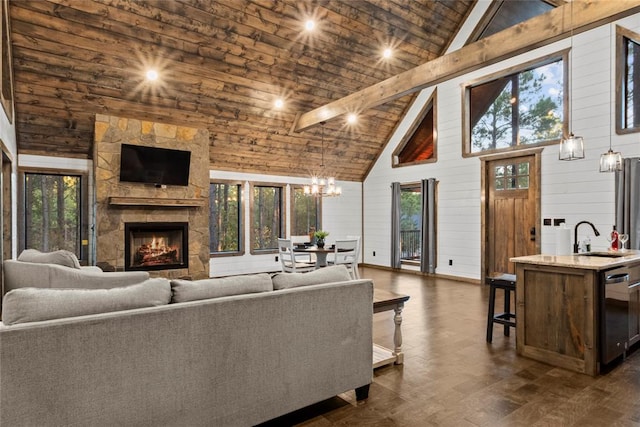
(575, 234)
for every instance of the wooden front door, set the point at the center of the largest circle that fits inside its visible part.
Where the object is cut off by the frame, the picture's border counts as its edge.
(511, 211)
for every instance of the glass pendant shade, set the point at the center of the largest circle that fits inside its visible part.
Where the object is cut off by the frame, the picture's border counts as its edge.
(610, 161)
(571, 148)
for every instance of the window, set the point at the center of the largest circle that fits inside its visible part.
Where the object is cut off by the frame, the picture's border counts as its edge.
(419, 144)
(225, 218)
(306, 212)
(410, 222)
(512, 177)
(522, 108)
(267, 217)
(53, 213)
(627, 78)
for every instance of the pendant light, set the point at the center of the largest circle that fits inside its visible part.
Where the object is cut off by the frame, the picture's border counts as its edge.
(572, 146)
(611, 161)
(322, 186)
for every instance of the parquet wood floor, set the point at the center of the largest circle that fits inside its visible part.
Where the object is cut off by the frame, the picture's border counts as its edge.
(452, 377)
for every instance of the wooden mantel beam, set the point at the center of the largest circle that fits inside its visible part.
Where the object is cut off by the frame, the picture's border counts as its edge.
(533, 33)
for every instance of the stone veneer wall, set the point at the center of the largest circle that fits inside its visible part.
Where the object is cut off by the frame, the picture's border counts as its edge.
(110, 133)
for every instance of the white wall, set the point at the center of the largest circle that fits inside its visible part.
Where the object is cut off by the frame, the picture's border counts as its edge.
(341, 216)
(572, 190)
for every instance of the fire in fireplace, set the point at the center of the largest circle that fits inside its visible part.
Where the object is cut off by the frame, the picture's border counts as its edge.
(156, 245)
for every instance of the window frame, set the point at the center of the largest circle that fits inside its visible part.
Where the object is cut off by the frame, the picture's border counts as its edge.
(293, 188)
(282, 221)
(413, 187)
(83, 237)
(431, 102)
(539, 62)
(621, 72)
(241, 214)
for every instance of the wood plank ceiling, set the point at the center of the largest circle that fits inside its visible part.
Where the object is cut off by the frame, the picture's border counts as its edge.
(222, 65)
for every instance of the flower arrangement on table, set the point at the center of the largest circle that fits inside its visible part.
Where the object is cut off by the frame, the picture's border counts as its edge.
(320, 235)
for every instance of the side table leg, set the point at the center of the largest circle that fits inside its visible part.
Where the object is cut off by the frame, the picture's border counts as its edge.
(397, 334)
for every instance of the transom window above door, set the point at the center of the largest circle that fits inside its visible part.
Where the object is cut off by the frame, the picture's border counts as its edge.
(518, 109)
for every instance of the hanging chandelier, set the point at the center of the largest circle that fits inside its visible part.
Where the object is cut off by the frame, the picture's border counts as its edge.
(322, 185)
(571, 147)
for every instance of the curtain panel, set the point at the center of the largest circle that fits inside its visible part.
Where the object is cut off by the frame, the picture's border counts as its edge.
(395, 225)
(428, 262)
(627, 204)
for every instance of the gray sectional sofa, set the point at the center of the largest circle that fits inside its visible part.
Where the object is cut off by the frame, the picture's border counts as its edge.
(233, 352)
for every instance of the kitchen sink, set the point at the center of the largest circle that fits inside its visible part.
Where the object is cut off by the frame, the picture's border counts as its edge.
(603, 254)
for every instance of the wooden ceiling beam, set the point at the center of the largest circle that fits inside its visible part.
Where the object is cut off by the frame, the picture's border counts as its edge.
(559, 23)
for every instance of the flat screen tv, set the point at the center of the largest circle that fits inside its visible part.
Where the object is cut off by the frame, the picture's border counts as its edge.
(151, 165)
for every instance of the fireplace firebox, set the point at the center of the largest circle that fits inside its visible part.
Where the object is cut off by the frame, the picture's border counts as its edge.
(156, 245)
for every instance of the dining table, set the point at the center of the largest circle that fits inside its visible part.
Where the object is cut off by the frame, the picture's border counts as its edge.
(321, 253)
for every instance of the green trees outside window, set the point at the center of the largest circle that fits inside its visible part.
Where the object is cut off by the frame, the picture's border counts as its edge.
(410, 222)
(305, 212)
(225, 224)
(631, 92)
(52, 212)
(523, 108)
(267, 217)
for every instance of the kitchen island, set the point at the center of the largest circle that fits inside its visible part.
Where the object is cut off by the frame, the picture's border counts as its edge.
(563, 311)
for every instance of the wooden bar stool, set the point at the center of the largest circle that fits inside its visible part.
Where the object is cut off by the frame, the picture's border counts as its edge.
(507, 282)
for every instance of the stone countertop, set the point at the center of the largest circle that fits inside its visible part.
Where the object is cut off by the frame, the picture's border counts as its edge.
(582, 261)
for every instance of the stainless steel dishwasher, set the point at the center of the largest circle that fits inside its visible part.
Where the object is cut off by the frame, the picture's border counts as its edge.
(614, 314)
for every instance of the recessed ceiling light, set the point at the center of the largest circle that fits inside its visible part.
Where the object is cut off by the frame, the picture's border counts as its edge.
(279, 103)
(309, 25)
(152, 75)
(352, 118)
(387, 53)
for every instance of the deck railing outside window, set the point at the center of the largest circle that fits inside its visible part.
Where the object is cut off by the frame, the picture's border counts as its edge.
(410, 244)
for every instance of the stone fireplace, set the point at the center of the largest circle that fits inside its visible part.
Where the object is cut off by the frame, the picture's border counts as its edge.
(152, 246)
(123, 205)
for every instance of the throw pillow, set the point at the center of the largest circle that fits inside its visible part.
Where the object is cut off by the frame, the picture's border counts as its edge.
(336, 273)
(186, 290)
(60, 257)
(35, 304)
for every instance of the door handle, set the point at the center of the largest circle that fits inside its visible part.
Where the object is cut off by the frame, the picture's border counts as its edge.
(532, 234)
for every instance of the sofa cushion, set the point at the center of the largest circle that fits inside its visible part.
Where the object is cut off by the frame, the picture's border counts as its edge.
(60, 257)
(336, 273)
(35, 304)
(187, 290)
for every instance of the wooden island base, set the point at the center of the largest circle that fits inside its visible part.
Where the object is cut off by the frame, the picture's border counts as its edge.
(564, 308)
(556, 316)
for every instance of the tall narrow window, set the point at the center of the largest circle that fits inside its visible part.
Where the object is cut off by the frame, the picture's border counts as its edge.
(522, 108)
(225, 218)
(305, 212)
(267, 217)
(627, 81)
(53, 212)
(410, 222)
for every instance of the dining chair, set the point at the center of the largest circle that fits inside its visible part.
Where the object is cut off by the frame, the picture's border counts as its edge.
(359, 239)
(302, 256)
(346, 253)
(288, 258)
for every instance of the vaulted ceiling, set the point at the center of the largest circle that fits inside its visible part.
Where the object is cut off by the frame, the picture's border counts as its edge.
(222, 65)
